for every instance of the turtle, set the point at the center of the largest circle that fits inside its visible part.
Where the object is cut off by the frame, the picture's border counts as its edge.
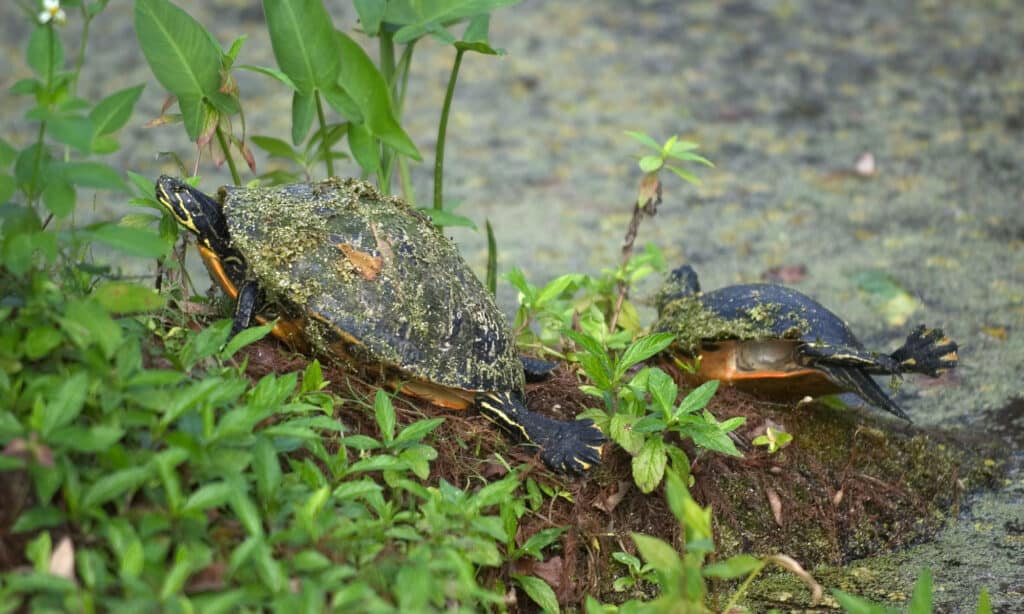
(369, 282)
(776, 341)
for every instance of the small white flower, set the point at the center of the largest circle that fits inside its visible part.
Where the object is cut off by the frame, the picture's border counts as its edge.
(52, 11)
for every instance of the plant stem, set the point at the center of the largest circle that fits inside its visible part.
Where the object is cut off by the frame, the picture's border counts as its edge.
(649, 209)
(325, 147)
(227, 156)
(86, 20)
(34, 196)
(442, 128)
(743, 587)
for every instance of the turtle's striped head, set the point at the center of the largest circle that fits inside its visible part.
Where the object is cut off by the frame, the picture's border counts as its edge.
(195, 211)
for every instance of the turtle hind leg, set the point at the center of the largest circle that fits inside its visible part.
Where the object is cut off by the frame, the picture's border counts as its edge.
(863, 385)
(565, 447)
(537, 369)
(928, 351)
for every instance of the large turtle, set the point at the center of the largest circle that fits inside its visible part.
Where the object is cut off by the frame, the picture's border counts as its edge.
(367, 280)
(774, 340)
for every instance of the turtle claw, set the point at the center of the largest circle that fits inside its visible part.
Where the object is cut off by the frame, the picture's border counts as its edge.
(574, 447)
(928, 351)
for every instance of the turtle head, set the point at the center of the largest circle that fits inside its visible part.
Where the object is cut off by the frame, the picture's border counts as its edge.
(194, 210)
(680, 283)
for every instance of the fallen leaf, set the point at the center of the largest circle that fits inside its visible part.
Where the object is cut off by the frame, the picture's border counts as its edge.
(62, 561)
(776, 505)
(865, 166)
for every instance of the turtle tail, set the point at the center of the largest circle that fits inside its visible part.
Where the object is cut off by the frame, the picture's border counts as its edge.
(928, 351)
(860, 382)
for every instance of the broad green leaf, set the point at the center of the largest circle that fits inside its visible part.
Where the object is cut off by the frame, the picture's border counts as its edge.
(733, 567)
(302, 36)
(710, 436)
(45, 53)
(246, 511)
(642, 349)
(40, 341)
(210, 495)
(277, 148)
(554, 288)
(124, 297)
(660, 555)
(382, 462)
(649, 164)
(267, 468)
(182, 56)
(419, 18)
(539, 591)
(114, 485)
(649, 424)
(134, 241)
(7, 188)
(73, 130)
(620, 429)
(663, 391)
(59, 197)
(418, 430)
(246, 337)
(370, 12)
(342, 102)
(649, 464)
(540, 540)
(112, 113)
(65, 404)
(93, 175)
(364, 83)
(86, 323)
(697, 399)
(684, 175)
(364, 148)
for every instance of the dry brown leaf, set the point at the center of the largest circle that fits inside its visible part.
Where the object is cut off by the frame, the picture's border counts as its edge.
(62, 560)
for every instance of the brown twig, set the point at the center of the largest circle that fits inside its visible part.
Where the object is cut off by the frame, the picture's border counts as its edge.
(648, 209)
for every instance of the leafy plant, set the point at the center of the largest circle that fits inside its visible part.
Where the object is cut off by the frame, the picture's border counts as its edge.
(773, 439)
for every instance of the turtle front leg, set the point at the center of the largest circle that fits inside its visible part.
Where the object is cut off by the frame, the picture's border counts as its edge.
(565, 447)
(245, 307)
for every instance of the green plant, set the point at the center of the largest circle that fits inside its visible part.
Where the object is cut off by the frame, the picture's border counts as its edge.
(773, 439)
(683, 579)
(639, 572)
(920, 600)
(639, 414)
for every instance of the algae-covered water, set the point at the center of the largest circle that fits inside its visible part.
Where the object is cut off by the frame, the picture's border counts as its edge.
(786, 97)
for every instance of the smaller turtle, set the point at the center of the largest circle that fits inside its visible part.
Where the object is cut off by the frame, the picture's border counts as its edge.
(773, 340)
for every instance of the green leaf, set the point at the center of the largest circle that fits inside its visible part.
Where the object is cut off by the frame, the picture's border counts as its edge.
(73, 130)
(540, 540)
(93, 175)
(364, 148)
(45, 51)
(660, 555)
(59, 197)
(303, 110)
(921, 600)
(112, 113)
(246, 511)
(385, 414)
(246, 337)
(267, 469)
(641, 350)
(302, 36)
(381, 462)
(133, 241)
(182, 56)
(539, 591)
(66, 403)
(684, 175)
(353, 490)
(86, 323)
(649, 464)
(663, 391)
(40, 341)
(7, 188)
(649, 164)
(418, 430)
(210, 495)
(554, 288)
(697, 399)
(858, 605)
(114, 485)
(419, 18)
(445, 218)
(364, 83)
(124, 297)
(710, 436)
(273, 73)
(733, 567)
(644, 139)
(370, 12)
(984, 603)
(620, 429)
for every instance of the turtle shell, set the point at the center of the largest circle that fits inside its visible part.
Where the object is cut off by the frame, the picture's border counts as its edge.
(754, 312)
(374, 280)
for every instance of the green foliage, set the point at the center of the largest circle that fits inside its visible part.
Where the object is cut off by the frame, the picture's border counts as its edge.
(773, 439)
(640, 413)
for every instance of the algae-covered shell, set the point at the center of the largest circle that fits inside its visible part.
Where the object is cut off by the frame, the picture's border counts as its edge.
(375, 281)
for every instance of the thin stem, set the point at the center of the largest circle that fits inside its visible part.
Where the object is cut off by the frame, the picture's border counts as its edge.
(442, 129)
(227, 156)
(325, 146)
(86, 20)
(743, 587)
(649, 209)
